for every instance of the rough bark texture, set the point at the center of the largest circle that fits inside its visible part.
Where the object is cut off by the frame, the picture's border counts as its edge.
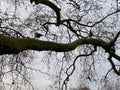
(10, 45)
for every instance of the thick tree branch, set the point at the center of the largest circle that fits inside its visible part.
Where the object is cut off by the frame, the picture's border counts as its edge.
(51, 5)
(9, 45)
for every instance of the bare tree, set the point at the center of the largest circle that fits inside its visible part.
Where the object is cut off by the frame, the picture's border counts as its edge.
(79, 37)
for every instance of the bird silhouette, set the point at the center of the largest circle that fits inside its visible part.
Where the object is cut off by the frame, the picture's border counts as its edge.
(36, 2)
(38, 35)
(31, 1)
(91, 34)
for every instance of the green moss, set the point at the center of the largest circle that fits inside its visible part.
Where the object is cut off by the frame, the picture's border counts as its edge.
(13, 45)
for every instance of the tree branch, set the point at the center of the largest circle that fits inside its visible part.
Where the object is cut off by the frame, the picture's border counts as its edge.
(72, 66)
(10, 45)
(112, 42)
(51, 5)
(113, 65)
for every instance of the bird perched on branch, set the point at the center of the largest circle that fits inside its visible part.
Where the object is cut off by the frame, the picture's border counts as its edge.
(91, 34)
(31, 1)
(36, 2)
(38, 35)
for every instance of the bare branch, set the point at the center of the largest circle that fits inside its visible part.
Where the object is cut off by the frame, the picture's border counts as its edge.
(51, 5)
(73, 65)
(113, 65)
(112, 42)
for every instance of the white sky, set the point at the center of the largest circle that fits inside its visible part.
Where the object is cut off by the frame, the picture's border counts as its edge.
(41, 81)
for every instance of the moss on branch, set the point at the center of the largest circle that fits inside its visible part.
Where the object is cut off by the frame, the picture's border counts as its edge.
(9, 45)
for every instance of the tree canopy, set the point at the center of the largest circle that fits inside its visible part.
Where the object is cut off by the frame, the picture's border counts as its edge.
(87, 26)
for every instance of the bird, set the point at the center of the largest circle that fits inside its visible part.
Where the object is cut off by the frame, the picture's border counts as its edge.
(38, 35)
(36, 2)
(91, 34)
(31, 1)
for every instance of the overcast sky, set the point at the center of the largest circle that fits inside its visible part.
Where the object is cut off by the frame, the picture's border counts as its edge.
(41, 81)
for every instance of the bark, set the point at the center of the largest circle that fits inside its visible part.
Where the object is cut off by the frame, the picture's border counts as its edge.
(9, 45)
(52, 6)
